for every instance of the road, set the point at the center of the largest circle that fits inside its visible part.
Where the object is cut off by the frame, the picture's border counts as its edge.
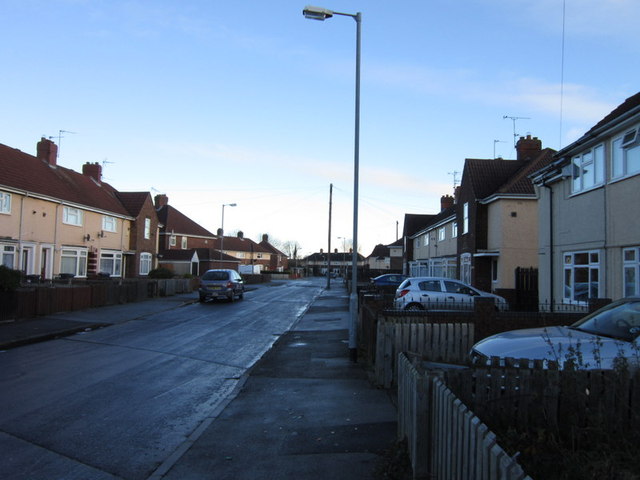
(118, 402)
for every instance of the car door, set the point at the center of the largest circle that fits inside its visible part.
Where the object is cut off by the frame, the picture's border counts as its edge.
(459, 295)
(431, 294)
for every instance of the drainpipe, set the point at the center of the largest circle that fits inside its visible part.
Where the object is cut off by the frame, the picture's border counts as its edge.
(551, 270)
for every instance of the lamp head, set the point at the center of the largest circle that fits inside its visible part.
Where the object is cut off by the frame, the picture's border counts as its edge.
(316, 13)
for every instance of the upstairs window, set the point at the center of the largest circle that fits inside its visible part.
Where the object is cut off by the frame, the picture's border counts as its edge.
(184, 243)
(588, 169)
(442, 234)
(454, 229)
(147, 228)
(425, 239)
(625, 154)
(72, 216)
(5, 202)
(109, 224)
(172, 241)
(465, 218)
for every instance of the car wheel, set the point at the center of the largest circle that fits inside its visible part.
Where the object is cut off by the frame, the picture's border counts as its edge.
(414, 307)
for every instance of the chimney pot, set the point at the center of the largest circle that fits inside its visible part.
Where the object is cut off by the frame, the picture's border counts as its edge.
(93, 170)
(446, 201)
(528, 147)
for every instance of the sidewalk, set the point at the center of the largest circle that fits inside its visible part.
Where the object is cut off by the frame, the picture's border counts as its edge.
(303, 411)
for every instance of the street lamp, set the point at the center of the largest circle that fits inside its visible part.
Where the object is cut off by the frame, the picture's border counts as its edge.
(222, 229)
(319, 13)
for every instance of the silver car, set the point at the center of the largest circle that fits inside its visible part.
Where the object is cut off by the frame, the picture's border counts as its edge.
(221, 284)
(438, 293)
(604, 339)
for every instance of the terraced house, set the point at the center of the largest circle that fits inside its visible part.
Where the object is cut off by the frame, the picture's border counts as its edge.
(58, 222)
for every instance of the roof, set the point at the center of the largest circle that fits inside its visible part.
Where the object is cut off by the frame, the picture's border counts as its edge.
(242, 244)
(270, 248)
(24, 172)
(335, 257)
(436, 219)
(626, 106)
(380, 251)
(133, 201)
(414, 222)
(177, 222)
(490, 177)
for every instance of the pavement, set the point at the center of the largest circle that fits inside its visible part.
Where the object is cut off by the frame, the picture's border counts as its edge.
(304, 410)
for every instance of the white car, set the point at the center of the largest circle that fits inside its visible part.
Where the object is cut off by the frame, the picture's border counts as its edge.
(608, 337)
(438, 293)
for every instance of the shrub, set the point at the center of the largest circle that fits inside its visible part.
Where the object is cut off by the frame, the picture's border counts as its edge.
(160, 273)
(9, 279)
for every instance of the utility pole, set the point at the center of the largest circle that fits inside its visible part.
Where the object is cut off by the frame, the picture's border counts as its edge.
(329, 252)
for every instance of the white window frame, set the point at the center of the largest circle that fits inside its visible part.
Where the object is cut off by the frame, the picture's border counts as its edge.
(591, 266)
(465, 218)
(5, 203)
(146, 263)
(454, 229)
(8, 255)
(147, 228)
(588, 169)
(631, 272)
(442, 234)
(172, 240)
(79, 256)
(425, 239)
(109, 224)
(183, 243)
(72, 216)
(625, 153)
(110, 262)
(465, 268)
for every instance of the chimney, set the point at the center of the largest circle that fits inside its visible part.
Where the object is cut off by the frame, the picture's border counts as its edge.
(93, 170)
(47, 151)
(240, 234)
(528, 148)
(446, 201)
(265, 238)
(219, 232)
(161, 200)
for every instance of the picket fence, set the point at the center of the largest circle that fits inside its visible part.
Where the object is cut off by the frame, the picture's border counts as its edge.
(438, 342)
(446, 440)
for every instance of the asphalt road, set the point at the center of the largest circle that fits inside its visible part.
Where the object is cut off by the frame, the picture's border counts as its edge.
(117, 402)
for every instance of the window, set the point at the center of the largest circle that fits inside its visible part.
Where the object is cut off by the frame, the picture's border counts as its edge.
(625, 154)
(465, 268)
(5, 202)
(454, 229)
(72, 216)
(8, 255)
(184, 243)
(631, 271)
(588, 169)
(145, 263)
(465, 218)
(111, 263)
(442, 234)
(172, 241)
(74, 262)
(581, 276)
(430, 286)
(109, 224)
(147, 228)
(425, 239)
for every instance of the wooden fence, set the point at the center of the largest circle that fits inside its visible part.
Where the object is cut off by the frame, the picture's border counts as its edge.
(439, 342)
(48, 299)
(446, 440)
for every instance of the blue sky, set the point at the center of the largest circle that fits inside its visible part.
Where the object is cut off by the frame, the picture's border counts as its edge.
(248, 102)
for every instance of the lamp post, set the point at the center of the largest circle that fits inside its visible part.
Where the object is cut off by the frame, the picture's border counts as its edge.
(222, 228)
(319, 13)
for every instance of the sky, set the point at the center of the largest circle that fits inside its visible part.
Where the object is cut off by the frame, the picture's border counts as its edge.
(215, 102)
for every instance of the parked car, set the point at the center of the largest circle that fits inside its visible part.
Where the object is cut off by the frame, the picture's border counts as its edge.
(388, 280)
(597, 341)
(221, 284)
(438, 293)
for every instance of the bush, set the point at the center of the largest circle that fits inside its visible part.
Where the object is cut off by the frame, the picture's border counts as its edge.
(161, 273)
(9, 279)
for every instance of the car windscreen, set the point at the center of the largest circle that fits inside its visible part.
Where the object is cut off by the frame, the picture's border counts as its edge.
(621, 321)
(216, 275)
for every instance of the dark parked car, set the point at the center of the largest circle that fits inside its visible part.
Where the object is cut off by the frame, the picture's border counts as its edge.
(606, 338)
(388, 280)
(222, 284)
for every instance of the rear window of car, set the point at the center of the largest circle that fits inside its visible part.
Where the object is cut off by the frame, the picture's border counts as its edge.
(216, 275)
(430, 286)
